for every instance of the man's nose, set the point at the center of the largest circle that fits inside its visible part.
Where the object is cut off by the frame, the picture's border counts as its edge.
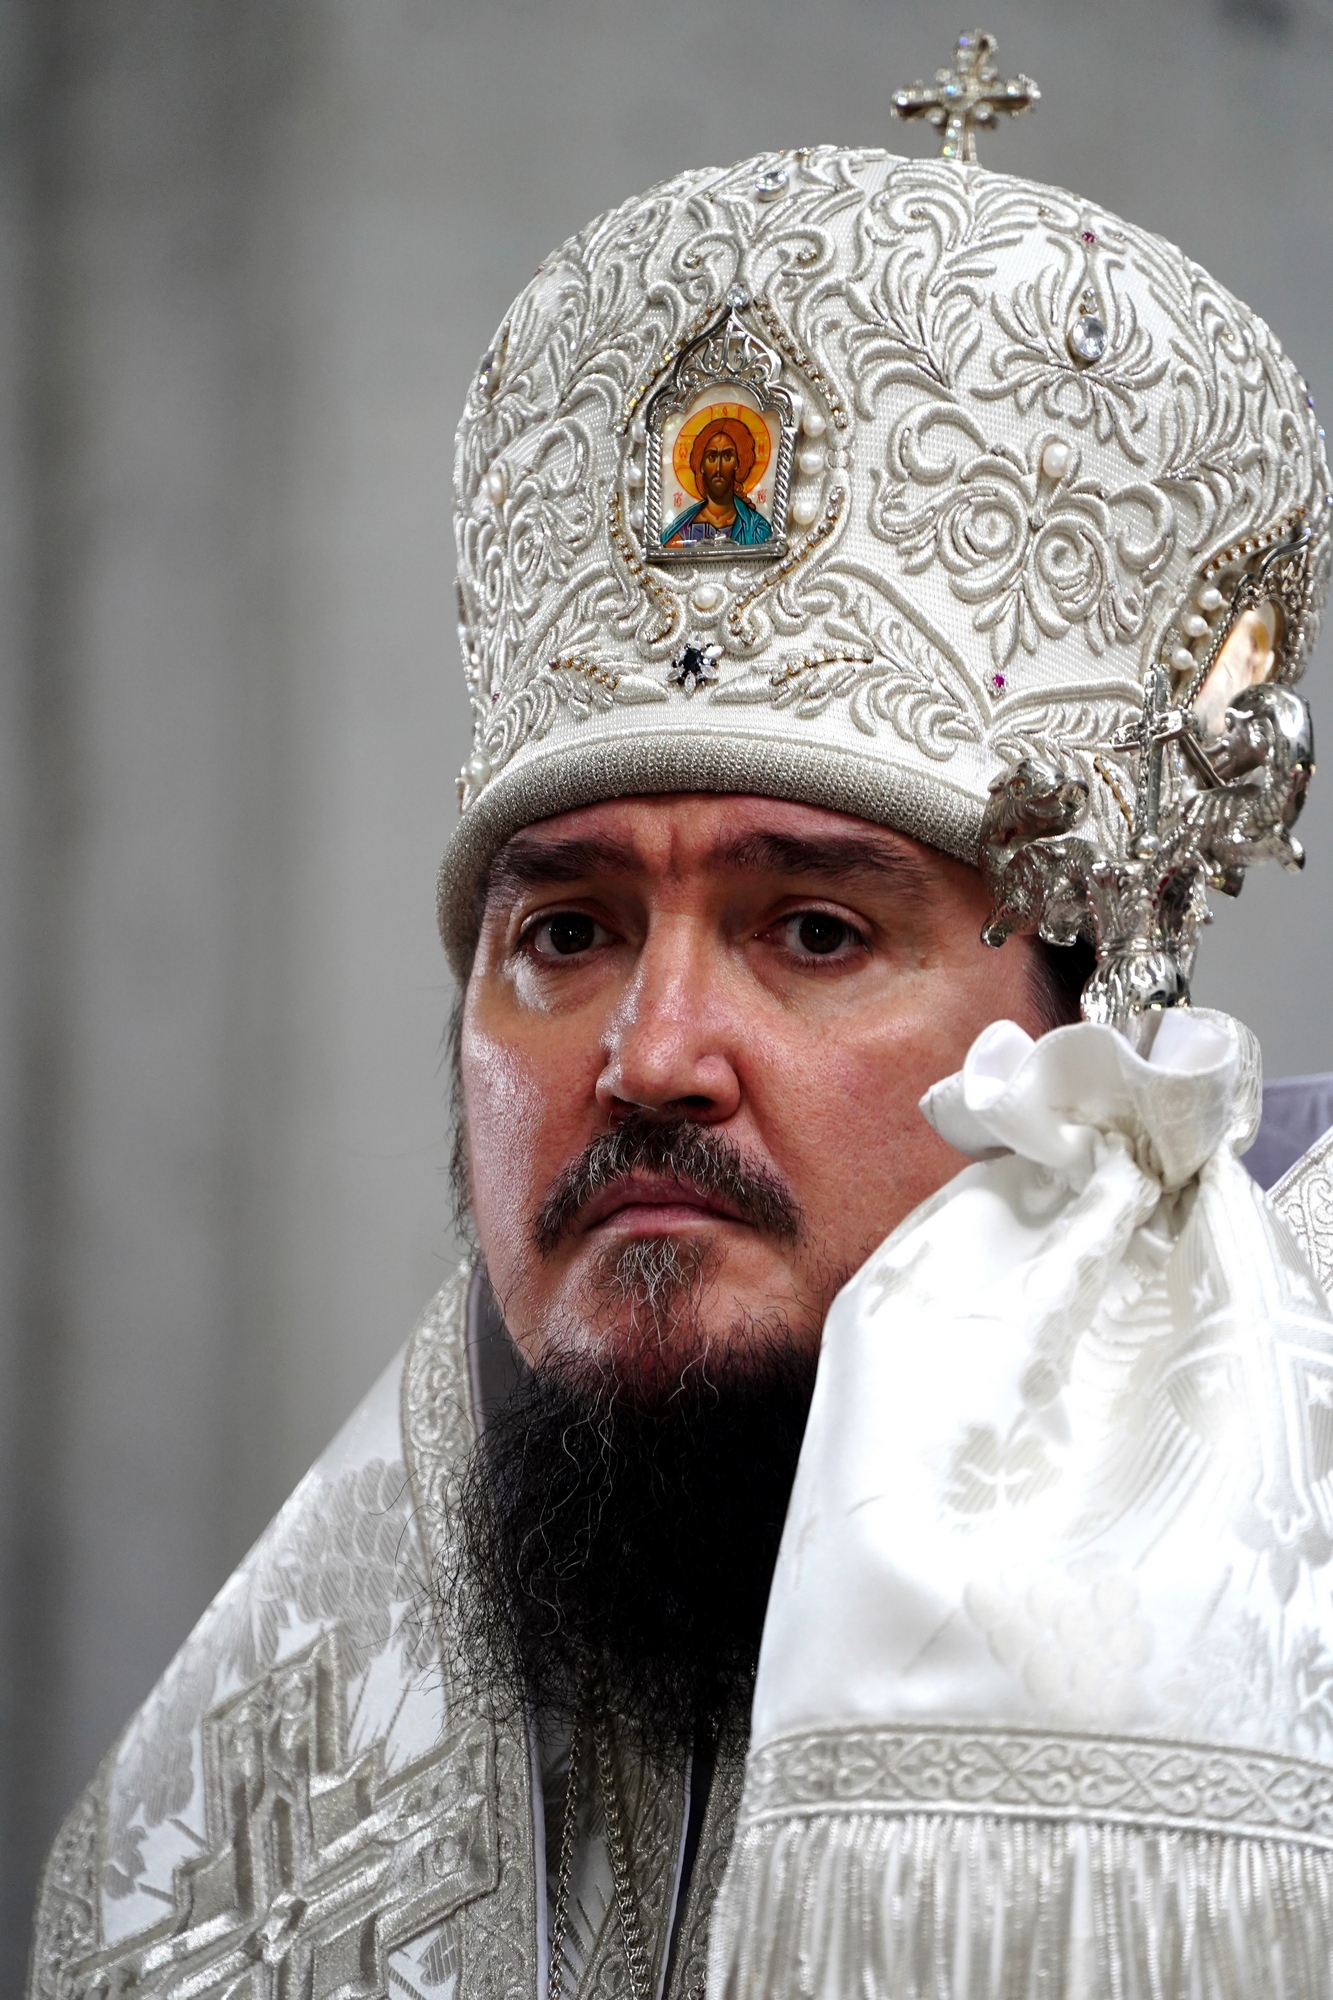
(670, 1045)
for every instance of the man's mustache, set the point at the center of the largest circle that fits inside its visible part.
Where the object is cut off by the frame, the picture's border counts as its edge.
(678, 1147)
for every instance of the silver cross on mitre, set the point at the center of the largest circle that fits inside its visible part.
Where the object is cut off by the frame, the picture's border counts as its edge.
(966, 96)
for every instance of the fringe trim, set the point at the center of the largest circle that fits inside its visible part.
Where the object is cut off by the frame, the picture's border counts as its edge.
(945, 1906)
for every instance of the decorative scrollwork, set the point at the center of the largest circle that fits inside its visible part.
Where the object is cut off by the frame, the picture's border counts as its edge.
(1037, 556)
(1034, 367)
(905, 685)
(1132, 1780)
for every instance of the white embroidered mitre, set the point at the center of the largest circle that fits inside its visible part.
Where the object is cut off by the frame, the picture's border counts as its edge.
(1002, 456)
(1045, 1700)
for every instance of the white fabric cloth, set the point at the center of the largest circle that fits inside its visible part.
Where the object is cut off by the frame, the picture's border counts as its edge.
(1047, 1673)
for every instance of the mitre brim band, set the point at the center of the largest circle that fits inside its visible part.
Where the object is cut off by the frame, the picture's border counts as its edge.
(926, 806)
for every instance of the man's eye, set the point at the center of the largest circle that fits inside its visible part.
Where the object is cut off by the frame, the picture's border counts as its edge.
(565, 934)
(821, 935)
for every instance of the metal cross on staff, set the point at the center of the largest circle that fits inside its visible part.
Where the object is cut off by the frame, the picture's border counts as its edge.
(1160, 723)
(965, 97)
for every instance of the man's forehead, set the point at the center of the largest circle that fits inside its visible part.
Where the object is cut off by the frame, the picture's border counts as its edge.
(675, 833)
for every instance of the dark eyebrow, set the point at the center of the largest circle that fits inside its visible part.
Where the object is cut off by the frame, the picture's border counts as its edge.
(539, 864)
(835, 857)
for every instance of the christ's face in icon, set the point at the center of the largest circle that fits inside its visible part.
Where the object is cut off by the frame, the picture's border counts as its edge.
(717, 475)
(727, 453)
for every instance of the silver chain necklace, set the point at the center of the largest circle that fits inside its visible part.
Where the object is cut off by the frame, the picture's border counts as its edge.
(627, 1903)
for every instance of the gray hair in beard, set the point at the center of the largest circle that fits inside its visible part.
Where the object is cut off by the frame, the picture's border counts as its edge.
(653, 1289)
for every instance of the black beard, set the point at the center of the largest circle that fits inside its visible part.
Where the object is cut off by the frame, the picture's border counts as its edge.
(618, 1551)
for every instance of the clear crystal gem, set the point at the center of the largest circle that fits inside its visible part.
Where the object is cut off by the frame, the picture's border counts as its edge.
(492, 365)
(1087, 338)
(738, 297)
(770, 186)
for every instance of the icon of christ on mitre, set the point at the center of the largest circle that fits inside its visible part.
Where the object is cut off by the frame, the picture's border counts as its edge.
(720, 455)
(859, 1521)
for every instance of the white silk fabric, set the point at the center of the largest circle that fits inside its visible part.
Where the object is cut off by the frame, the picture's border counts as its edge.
(1045, 1696)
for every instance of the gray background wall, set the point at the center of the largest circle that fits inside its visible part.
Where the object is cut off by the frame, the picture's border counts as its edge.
(249, 253)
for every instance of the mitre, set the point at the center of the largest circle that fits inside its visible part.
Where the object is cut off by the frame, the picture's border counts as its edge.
(865, 481)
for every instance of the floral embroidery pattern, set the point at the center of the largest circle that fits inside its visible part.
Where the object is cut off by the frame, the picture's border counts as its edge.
(1036, 369)
(1036, 556)
(882, 670)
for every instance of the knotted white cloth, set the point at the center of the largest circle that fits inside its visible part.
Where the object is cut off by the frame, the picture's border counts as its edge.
(1045, 1697)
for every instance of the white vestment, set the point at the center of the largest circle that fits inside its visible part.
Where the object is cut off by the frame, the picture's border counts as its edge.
(316, 1799)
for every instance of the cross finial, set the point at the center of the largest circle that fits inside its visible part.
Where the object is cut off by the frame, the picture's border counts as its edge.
(966, 96)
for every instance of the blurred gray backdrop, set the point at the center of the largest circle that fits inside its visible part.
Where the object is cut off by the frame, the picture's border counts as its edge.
(251, 251)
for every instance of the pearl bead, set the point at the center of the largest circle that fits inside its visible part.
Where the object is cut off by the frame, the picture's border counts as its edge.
(811, 462)
(813, 424)
(636, 518)
(1210, 598)
(1193, 626)
(478, 770)
(495, 486)
(1056, 459)
(634, 477)
(707, 597)
(804, 510)
(1183, 660)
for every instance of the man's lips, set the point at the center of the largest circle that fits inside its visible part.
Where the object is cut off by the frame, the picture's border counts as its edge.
(653, 1201)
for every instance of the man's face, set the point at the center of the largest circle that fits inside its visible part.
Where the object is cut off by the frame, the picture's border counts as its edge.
(718, 468)
(788, 981)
